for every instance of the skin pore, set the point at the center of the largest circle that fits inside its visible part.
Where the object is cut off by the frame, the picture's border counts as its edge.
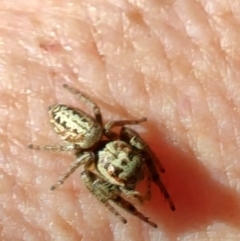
(174, 62)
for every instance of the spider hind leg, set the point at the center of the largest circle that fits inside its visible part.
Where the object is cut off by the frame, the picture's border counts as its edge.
(106, 193)
(152, 162)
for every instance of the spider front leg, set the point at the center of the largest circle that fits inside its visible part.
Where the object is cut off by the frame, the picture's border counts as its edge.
(136, 141)
(102, 191)
(112, 135)
(106, 192)
(127, 206)
(87, 101)
(151, 162)
(132, 193)
(86, 159)
(53, 148)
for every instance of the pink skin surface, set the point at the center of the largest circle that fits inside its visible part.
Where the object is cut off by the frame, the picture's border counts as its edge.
(175, 62)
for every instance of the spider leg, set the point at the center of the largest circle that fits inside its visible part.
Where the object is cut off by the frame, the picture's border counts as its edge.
(105, 193)
(136, 141)
(112, 135)
(101, 191)
(53, 148)
(87, 101)
(86, 159)
(127, 206)
(151, 160)
(148, 193)
(132, 193)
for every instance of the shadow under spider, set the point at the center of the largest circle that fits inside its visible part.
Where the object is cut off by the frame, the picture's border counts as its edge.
(199, 199)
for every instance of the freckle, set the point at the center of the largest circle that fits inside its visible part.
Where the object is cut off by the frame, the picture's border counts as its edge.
(50, 46)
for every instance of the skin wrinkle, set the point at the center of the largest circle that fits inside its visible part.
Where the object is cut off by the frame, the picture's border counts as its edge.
(97, 222)
(219, 126)
(101, 54)
(68, 226)
(145, 89)
(201, 85)
(166, 54)
(237, 134)
(95, 41)
(219, 36)
(234, 140)
(118, 99)
(207, 22)
(228, 150)
(232, 29)
(225, 165)
(199, 42)
(233, 9)
(222, 75)
(80, 212)
(203, 26)
(207, 85)
(195, 128)
(212, 115)
(151, 101)
(145, 81)
(60, 225)
(24, 223)
(185, 127)
(109, 66)
(66, 219)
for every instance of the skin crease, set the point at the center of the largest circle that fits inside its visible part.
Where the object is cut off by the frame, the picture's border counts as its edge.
(175, 62)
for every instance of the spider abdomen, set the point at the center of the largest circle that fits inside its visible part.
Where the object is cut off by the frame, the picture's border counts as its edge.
(75, 126)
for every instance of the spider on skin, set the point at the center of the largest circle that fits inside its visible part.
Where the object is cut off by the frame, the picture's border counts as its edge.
(113, 163)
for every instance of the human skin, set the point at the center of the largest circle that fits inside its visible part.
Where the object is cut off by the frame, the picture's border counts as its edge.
(175, 62)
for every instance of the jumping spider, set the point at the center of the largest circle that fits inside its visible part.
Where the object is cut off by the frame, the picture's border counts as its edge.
(113, 162)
